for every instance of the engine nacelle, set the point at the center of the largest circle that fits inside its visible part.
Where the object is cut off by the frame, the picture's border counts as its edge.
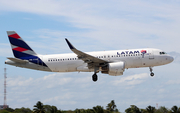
(114, 69)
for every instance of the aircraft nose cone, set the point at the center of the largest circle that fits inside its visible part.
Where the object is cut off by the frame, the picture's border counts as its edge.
(171, 58)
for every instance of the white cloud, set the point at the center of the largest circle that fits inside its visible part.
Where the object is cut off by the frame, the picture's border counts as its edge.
(173, 82)
(149, 23)
(123, 24)
(5, 50)
(101, 26)
(132, 80)
(19, 81)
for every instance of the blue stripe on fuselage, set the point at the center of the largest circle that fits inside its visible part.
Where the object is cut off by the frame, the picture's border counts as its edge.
(35, 60)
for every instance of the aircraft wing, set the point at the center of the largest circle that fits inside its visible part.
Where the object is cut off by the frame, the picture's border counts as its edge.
(18, 60)
(86, 57)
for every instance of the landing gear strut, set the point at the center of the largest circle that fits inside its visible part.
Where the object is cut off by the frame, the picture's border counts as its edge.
(95, 77)
(152, 74)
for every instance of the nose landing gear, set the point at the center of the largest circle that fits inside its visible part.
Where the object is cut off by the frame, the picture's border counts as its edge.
(152, 74)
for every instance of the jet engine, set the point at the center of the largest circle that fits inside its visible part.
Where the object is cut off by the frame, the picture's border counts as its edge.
(114, 69)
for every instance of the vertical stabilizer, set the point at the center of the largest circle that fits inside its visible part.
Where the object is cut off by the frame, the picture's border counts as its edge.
(19, 47)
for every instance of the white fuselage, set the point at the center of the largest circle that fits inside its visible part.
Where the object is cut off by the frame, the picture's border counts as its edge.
(131, 58)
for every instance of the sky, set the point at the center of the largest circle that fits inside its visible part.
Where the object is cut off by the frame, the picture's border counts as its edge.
(91, 26)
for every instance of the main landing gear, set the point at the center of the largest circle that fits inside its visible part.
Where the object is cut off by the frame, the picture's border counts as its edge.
(94, 76)
(152, 74)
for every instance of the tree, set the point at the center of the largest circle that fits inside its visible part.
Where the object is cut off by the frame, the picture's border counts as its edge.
(80, 111)
(98, 109)
(111, 106)
(4, 111)
(47, 108)
(22, 110)
(9, 109)
(133, 109)
(143, 111)
(39, 108)
(54, 109)
(150, 109)
(175, 109)
(162, 109)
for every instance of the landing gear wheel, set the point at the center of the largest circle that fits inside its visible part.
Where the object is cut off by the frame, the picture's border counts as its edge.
(152, 74)
(95, 77)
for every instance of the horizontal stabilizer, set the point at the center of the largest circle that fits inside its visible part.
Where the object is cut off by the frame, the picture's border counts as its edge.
(18, 60)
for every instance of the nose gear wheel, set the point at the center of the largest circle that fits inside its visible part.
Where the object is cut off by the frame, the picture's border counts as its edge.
(152, 74)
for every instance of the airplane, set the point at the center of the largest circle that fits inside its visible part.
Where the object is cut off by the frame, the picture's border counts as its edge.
(113, 62)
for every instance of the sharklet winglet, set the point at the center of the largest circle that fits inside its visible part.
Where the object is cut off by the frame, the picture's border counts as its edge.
(69, 44)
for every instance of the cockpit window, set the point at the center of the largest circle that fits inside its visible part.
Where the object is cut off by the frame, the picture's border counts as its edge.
(161, 53)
